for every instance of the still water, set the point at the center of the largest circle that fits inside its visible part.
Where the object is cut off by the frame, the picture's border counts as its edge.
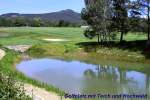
(78, 77)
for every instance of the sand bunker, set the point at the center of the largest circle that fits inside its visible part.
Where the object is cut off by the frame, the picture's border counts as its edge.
(19, 48)
(55, 40)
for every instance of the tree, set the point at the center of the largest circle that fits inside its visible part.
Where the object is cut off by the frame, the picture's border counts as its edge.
(120, 17)
(145, 11)
(145, 4)
(19, 21)
(63, 23)
(141, 8)
(98, 15)
(36, 22)
(5, 21)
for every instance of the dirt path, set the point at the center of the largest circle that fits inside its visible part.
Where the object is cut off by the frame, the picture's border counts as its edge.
(39, 93)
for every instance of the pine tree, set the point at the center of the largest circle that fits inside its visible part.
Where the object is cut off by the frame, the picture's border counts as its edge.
(98, 16)
(142, 9)
(120, 18)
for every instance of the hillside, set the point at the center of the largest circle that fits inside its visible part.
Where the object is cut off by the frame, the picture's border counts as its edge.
(66, 15)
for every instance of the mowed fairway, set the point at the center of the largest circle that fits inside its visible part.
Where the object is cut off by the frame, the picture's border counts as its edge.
(35, 35)
(28, 35)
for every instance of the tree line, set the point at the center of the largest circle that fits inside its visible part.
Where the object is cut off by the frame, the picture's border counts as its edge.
(106, 17)
(35, 22)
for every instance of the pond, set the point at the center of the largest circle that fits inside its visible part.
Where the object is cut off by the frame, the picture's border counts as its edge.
(75, 77)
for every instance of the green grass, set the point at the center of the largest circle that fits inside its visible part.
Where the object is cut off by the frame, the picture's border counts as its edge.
(27, 35)
(34, 35)
(134, 36)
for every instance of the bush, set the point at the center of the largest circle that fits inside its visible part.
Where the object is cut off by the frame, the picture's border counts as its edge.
(11, 89)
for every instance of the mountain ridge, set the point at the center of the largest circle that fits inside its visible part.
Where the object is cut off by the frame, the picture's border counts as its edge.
(66, 15)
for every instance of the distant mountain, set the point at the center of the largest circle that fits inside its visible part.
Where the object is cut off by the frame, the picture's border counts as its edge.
(66, 15)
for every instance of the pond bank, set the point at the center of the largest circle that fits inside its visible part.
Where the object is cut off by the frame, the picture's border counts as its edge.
(72, 52)
(32, 88)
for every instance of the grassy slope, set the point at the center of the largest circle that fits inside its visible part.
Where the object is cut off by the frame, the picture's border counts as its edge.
(25, 35)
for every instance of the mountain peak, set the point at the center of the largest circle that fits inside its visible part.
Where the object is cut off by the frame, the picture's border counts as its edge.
(68, 11)
(66, 15)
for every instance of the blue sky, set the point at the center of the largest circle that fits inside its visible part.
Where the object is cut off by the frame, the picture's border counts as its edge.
(39, 6)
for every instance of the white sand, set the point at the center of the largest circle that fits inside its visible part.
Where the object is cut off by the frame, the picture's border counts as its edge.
(55, 40)
(20, 48)
(2, 53)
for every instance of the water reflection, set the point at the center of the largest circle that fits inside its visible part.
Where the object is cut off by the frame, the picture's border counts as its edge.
(108, 79)
(79, 77)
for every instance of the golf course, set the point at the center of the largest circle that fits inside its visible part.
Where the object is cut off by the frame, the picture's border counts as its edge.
(69, 46)
(75, 50)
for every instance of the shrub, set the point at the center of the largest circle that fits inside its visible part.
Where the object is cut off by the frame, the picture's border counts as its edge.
(11, 89)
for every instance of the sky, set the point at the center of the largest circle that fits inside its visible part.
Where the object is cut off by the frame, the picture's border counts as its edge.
(39, 6)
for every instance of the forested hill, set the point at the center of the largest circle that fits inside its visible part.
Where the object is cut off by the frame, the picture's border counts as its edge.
(66, 15)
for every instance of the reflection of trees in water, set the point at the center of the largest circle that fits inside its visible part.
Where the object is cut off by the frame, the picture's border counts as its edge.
(90, 74)
(102, 72)
(111, 79)
(101, 79)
